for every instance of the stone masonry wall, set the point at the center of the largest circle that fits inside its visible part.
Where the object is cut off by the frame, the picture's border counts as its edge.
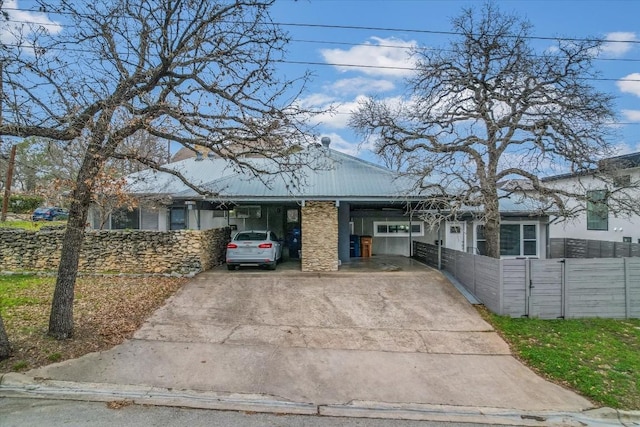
(129, 251)
(319, 236)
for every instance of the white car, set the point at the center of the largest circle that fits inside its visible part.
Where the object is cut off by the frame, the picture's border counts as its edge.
(255, 247)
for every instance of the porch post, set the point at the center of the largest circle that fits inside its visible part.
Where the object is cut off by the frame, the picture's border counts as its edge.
(344, 246)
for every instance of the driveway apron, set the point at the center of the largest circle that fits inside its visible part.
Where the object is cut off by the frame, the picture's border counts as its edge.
(398, 337)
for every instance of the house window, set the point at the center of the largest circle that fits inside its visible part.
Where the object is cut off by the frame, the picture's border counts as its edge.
(246, 212)
(125, 219)
(177, 218)
(149, 219)
(481, 240)
(529, 240)
(597, 210)
(626, 239)
(510, 240)
(622, 180)
(397, 229)
(515, 240)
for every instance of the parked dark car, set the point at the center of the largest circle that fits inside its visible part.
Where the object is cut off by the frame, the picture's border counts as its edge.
(50, 214)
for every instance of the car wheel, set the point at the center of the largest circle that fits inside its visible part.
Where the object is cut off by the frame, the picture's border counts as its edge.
(231, 266)
(273, 265)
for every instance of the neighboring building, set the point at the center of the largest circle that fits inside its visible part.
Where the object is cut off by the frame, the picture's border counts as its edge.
(599, 222)
(339, 197)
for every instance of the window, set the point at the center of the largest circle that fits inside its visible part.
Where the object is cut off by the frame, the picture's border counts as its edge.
(246, 212)
(626, 239)
(149, 219)
(481, 240)
(622, 180)
(123, 219)
(529, 240)
(597, 210)
(510, 240)
(515, 240)
(397, 229)
(177, 218)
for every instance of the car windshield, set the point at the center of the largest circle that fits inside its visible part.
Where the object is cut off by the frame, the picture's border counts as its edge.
(252, 236)
(41, 210)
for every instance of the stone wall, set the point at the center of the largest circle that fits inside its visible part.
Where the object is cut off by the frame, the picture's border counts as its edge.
(127, 251)
(319, 236)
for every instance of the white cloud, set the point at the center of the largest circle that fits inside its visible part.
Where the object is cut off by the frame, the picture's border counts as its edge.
(359, 85)
(631, 115)
(378, 57)
(621, 43)
(25, 22)
(627, 86)
(337, 117)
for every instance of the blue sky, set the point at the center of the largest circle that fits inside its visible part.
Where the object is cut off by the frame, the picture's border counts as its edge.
(316, 48)
(342, 87)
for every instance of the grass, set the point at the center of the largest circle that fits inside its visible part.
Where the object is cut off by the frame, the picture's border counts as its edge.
(599, 358)
(107, 310)
(30, 225)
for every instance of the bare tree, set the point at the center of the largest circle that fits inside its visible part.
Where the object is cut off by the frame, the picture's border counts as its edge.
(489, 108)
(198, 73)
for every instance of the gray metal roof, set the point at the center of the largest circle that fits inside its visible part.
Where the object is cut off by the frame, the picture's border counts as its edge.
(329, 174)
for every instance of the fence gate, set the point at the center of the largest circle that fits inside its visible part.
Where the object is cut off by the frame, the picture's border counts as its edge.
(546, 288)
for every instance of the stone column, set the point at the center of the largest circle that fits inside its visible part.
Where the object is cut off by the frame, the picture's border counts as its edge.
(319, 236)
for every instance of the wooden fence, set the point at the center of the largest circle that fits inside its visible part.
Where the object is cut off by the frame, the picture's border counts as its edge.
(544, 288)
(582, 248)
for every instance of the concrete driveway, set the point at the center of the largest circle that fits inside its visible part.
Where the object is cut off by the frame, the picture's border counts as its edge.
(398, 336)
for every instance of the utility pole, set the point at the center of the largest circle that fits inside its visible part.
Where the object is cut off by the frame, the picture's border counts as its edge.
(7, 184)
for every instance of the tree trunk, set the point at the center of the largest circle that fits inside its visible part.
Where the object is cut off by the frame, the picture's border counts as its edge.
(492, 224)
(61, 318)
(5, 346)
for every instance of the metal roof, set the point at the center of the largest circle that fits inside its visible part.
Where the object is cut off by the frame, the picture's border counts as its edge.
(329, 174)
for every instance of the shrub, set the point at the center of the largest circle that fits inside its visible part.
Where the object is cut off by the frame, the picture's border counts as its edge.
(21, 204)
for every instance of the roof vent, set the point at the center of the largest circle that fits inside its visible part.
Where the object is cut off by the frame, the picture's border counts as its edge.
(198, 156)
(325, 141)
(211, 154)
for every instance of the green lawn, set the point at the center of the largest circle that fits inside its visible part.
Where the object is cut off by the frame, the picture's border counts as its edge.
(30, 225)
(599, 358)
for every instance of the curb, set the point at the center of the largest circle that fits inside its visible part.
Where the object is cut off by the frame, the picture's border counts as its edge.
(19, 385)
(23, 386)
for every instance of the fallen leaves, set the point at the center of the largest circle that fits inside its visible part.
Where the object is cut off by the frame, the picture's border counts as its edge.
(107, 311)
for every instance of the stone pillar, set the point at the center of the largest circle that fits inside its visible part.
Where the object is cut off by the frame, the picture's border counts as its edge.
(319, 236)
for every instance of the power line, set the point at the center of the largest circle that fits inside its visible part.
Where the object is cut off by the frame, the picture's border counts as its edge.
(365, 28)
(391, 46)
(383, 67)
(347, 65)
(450, 33)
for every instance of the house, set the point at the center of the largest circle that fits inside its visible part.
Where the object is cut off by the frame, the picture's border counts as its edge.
(598, 221)
(333, 201)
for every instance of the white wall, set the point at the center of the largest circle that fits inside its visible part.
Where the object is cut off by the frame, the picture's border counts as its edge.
(619, 226)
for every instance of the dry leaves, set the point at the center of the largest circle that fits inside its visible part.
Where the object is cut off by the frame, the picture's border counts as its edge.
(107, 311)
